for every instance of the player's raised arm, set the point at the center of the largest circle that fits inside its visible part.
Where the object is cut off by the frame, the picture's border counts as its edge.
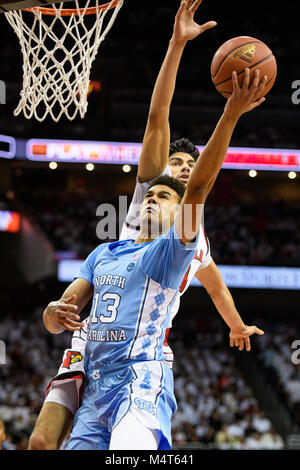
(242, 100)
(64, 314)
(156, 142)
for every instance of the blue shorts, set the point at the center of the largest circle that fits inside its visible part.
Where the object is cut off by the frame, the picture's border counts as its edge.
(146, 389)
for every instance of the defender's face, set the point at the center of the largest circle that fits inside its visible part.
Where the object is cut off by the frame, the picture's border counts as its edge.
(159, 209)
(181, 165)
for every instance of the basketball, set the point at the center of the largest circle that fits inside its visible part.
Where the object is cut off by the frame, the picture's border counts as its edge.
(238, 54)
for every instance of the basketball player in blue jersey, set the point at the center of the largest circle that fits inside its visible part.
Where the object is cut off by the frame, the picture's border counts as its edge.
(62, 401)
(128, 399)
(63, 392)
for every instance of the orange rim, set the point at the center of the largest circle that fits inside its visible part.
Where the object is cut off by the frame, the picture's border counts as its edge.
(72, 11)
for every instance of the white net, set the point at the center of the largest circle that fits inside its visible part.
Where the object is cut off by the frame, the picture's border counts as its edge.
(58, 52)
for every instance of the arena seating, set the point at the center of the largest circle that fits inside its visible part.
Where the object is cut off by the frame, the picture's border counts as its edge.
(216, 406)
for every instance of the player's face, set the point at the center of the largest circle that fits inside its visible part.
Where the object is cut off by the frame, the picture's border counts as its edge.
(159, 209)
(181, 165)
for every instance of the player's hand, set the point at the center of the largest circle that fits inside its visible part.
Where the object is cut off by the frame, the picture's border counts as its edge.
(246, 97)
(185, 28)
(64, 313)
(241, 338)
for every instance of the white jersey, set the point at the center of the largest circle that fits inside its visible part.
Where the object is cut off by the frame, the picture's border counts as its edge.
(73, 369)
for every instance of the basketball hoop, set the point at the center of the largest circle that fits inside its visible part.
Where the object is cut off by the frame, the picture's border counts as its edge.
(59, 46)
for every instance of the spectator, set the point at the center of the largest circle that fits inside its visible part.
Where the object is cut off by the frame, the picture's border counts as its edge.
(253, 441)
(222, 435)
(235, 430)
(261, 423)
(272, 440)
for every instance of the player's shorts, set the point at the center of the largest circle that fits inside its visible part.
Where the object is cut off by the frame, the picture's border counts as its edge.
(65, 394)
(146, 389)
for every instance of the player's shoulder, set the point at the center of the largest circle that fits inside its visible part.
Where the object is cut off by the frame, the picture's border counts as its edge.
(98, 250)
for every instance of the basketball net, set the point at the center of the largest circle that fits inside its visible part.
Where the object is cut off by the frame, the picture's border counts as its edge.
(59, 46)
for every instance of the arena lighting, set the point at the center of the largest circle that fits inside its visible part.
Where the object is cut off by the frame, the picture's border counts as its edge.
(252, 173)
(10, 194)
(292, 175)
(90, 166)
(126, 153)
(53, 165)
(126, 168)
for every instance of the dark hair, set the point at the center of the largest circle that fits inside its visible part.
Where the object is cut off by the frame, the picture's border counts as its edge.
(172, 183)
(184, 145)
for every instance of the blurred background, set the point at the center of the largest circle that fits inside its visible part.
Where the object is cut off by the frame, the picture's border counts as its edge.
(226, 399)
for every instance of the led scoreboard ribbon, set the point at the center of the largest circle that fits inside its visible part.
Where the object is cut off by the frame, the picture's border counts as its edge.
(83, 151)
(245, 277)
(45, 150)
(7, 146)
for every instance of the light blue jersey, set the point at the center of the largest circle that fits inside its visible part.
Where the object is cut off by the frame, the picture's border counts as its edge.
(135, 286)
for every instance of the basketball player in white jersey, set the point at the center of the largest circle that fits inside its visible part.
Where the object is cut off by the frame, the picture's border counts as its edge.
(153, 161)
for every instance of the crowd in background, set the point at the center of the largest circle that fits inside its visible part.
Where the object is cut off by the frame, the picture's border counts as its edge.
(32, 357)
(278, 354)
(216, 405)
(258, 233)
(240, 232)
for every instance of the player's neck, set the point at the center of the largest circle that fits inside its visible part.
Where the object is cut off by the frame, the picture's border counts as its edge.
(147, 235)
(144, 239)
(150, 232)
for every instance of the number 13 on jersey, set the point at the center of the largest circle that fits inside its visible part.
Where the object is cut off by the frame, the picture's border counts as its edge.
(111, 308)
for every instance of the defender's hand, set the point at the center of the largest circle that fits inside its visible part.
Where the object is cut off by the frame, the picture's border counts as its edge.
(185, 28)
(241, 338)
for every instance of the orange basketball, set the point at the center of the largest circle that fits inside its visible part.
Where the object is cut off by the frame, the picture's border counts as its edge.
(238, 54)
